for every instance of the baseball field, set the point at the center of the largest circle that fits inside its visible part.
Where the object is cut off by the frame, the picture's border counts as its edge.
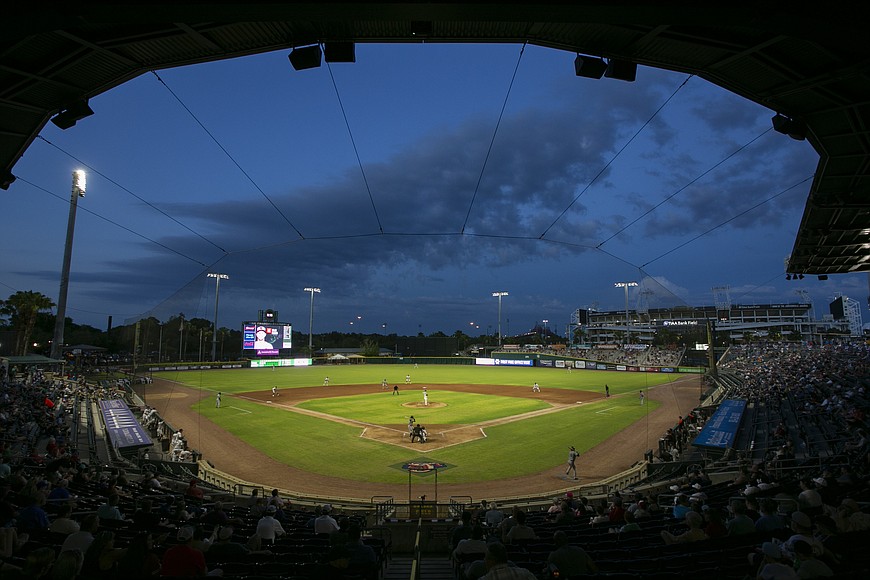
(486, 425)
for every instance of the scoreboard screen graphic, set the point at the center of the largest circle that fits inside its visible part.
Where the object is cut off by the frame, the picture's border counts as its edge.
(266, 339)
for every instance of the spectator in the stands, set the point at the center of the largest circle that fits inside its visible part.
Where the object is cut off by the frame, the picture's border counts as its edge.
(520, 531)
(63, 523)
(67, 566)
(695, 532)
(752, 508)
(462, 531)
(641, 511)
(739, 524)
(226, 549)
(493, 516)
(193, 491)
(217, 515)
(774, 565)
(140, 561)
(258, 508)
(276, 500)
(851, 518)
(569, 560)
(770, 521)
(600, 516)
(507, 523)
(325, 524)
(566, 515)
(807, 564)
(59, 493)
(362, 559)
(37, 565)
(81, 540)
(101, 558)
(151, 483)
(809, 499)
(827, 534)
(32, 519)
(714, 523)
(183, 560)
(681, 507)
(476, 544)
(268, 528)
(109, 510)
(802, 528)
(629, 524)
(498, 568)
(616, 512)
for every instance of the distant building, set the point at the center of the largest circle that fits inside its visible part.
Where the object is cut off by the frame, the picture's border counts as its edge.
(737, 323)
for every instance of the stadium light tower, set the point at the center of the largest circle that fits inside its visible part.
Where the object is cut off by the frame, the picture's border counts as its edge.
(79, 186)
(311, 290)
(626, 286)
(217, 292)
(499, 294)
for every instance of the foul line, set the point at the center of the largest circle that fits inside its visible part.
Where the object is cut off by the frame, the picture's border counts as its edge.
(604, 410)
(240, 409)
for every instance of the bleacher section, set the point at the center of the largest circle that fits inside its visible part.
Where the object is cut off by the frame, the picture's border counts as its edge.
(801, 451)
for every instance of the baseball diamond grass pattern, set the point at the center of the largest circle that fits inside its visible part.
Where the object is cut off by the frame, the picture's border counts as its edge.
(330, 448)
(461, 409)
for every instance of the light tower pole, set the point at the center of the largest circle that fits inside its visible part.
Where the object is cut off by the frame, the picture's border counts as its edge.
(79, 186)
(217, 292)
(311, 290)
(499, 294)
(626, 286)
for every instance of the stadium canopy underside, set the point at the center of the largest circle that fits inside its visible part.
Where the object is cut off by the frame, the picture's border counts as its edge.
(806, 61)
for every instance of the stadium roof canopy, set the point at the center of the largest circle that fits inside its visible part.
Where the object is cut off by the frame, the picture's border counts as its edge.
(807, 61)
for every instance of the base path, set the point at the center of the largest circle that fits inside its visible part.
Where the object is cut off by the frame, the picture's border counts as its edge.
(231, 455)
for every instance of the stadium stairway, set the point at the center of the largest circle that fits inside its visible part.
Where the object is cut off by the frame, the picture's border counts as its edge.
(432, 568)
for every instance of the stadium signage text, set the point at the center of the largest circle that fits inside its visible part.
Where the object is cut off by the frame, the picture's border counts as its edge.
(680, 323)
(721, 430)
(123, 429)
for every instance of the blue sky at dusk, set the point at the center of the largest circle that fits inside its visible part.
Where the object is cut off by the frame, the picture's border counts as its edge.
(409, 186)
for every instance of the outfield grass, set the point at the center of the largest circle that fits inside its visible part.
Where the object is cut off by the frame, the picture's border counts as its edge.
(512, 449)
(243, 380)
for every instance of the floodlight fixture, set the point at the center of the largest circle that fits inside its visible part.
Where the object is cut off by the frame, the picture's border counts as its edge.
(621, 70)
(339, 52)
(305, 57)
(80, 182)
(589, 66)
(6, 179)
(72, 114)
(794, 128)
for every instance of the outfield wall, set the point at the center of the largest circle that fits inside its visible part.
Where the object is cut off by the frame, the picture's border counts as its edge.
(513, 359)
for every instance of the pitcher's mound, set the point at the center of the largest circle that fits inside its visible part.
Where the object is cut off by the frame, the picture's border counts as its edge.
(420, 405)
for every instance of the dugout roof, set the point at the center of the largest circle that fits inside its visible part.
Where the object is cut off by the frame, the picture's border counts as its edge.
(809, 61)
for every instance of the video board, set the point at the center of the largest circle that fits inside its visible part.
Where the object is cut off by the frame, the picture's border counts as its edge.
(266, 339)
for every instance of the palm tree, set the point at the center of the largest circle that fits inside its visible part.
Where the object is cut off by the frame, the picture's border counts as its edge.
(22, 309)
